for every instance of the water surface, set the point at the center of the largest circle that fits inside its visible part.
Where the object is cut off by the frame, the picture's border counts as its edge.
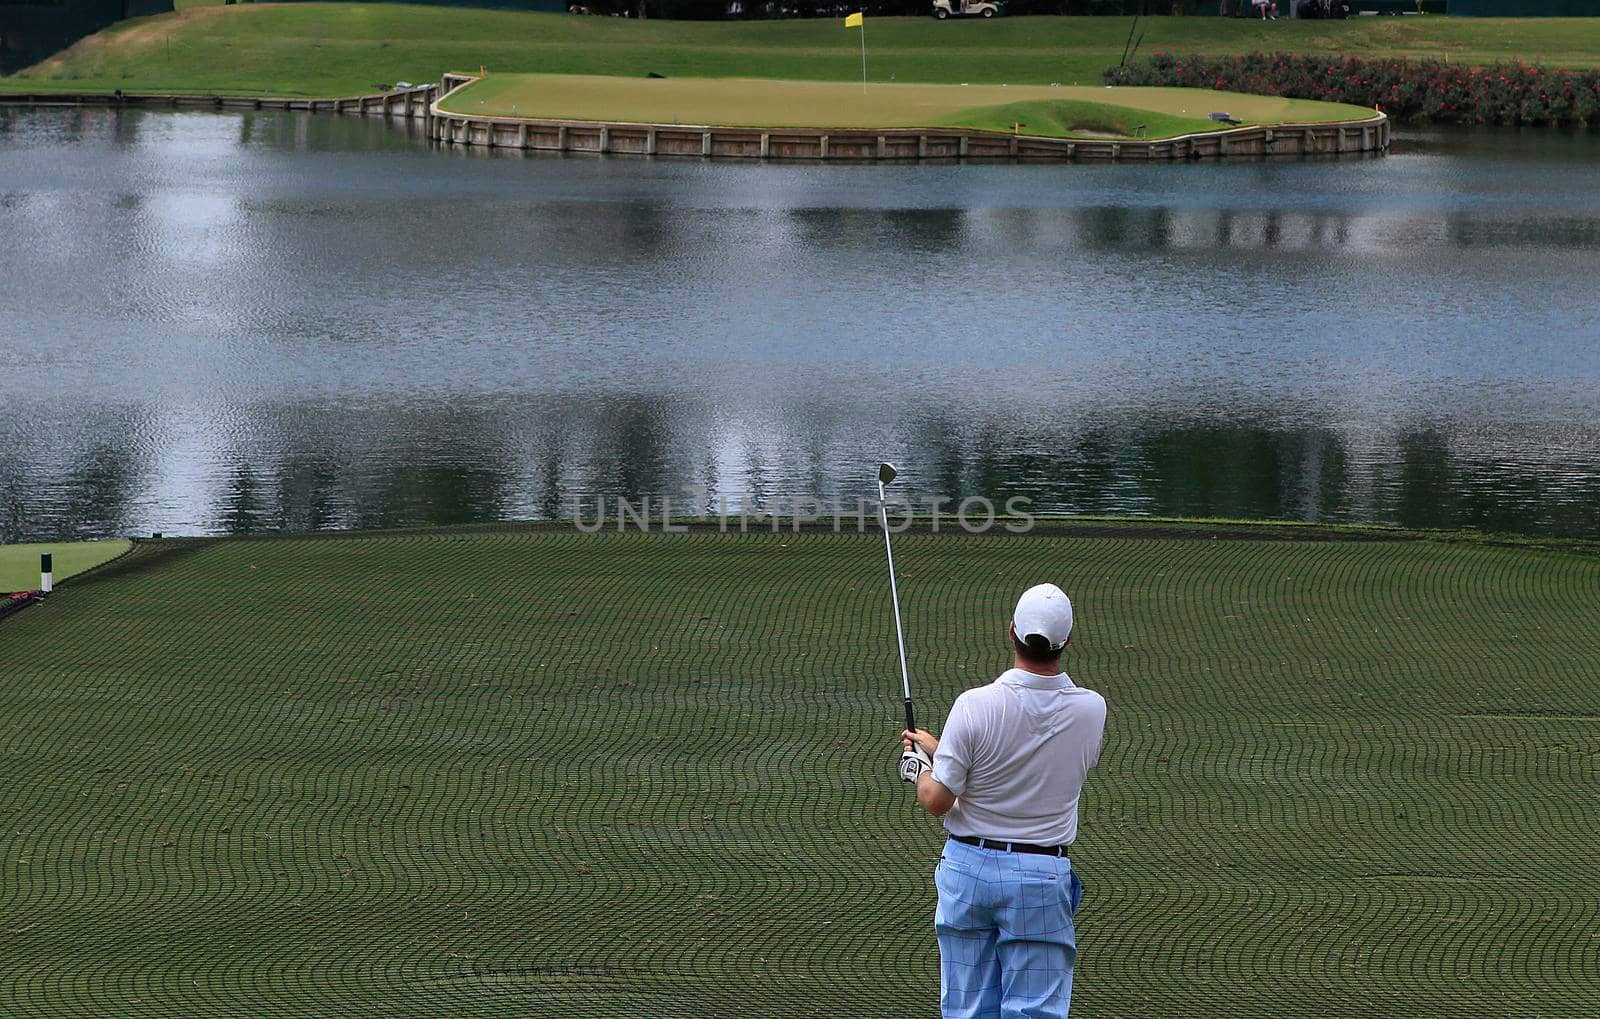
(215, 323)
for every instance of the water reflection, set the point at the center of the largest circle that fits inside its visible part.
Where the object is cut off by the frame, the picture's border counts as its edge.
(226, 323)
(306, 468)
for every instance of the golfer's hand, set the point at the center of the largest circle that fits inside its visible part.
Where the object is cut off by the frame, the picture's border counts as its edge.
(921, 738)
(913, 763)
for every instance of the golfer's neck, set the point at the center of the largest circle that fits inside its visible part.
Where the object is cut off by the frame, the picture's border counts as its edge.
(1037, 670)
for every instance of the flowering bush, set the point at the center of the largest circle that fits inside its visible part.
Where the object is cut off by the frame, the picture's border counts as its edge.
(1422, 90)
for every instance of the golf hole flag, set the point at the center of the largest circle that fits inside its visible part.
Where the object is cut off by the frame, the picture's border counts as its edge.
(859, 20)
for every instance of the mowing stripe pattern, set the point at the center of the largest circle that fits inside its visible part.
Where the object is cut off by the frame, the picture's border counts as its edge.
(541, 773)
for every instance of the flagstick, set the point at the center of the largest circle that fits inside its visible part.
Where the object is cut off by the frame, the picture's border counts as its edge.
(863, 56)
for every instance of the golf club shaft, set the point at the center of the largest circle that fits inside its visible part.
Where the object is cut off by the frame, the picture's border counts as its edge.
(894, 595)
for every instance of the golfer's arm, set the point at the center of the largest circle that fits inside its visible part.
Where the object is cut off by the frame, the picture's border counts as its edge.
(934, 795)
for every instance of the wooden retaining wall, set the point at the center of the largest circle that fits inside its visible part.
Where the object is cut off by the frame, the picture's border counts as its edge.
(422, 103)
(1370, 135)
(408, 103)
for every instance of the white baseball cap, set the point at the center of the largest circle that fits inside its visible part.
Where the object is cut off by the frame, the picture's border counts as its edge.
(1044, 609)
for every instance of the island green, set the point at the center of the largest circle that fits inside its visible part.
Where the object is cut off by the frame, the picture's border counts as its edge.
(1052, 111)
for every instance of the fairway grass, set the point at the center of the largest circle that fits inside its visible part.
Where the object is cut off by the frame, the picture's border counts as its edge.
(345, 49)
(19, 564)
(1037, 110)
(535, 772)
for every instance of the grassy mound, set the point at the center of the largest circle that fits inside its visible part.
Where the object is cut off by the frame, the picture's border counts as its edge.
(544, 773)
(340, 49)
(1051, 111)
(1055, 118)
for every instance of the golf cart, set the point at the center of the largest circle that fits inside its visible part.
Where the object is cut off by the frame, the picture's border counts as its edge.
(967, 8)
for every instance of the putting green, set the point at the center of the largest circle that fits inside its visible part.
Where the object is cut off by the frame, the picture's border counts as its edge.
(19, 564)
(1042, 109)
(529, 772)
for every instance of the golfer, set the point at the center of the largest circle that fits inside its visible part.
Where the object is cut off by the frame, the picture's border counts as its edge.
(1005, 777)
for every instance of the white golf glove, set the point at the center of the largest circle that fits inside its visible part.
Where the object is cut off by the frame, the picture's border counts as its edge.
(913, 763)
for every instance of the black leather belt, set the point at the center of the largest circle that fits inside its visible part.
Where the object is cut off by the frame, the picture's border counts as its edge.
(1011, 847)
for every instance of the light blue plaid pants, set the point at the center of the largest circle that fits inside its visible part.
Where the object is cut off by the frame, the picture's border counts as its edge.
(1006, 941)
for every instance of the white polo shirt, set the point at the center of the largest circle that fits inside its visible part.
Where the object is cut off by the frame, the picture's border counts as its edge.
(1016, 753)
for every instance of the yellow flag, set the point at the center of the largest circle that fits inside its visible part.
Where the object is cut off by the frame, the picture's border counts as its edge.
(855, 20)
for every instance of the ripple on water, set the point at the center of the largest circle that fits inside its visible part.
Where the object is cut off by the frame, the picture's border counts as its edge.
(224, 322)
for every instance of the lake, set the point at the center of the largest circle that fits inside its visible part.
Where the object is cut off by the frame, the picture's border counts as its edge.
(221, 323)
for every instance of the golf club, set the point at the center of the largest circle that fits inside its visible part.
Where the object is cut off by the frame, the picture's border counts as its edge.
(886, 474)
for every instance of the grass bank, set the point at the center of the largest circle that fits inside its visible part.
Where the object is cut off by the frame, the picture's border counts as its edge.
(1040, 110)
(467, 773)
(19, 564)
(339, 49)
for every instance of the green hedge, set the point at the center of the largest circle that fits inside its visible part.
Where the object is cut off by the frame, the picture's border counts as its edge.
(1419, 91)
(33, 31)
(1522, 8)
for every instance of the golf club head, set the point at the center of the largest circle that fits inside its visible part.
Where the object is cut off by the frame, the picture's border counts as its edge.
(886, 473)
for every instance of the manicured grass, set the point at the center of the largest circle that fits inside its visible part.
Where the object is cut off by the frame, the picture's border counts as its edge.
(19, 564)
(338, 49)
(525, 772)
(1043, 110)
